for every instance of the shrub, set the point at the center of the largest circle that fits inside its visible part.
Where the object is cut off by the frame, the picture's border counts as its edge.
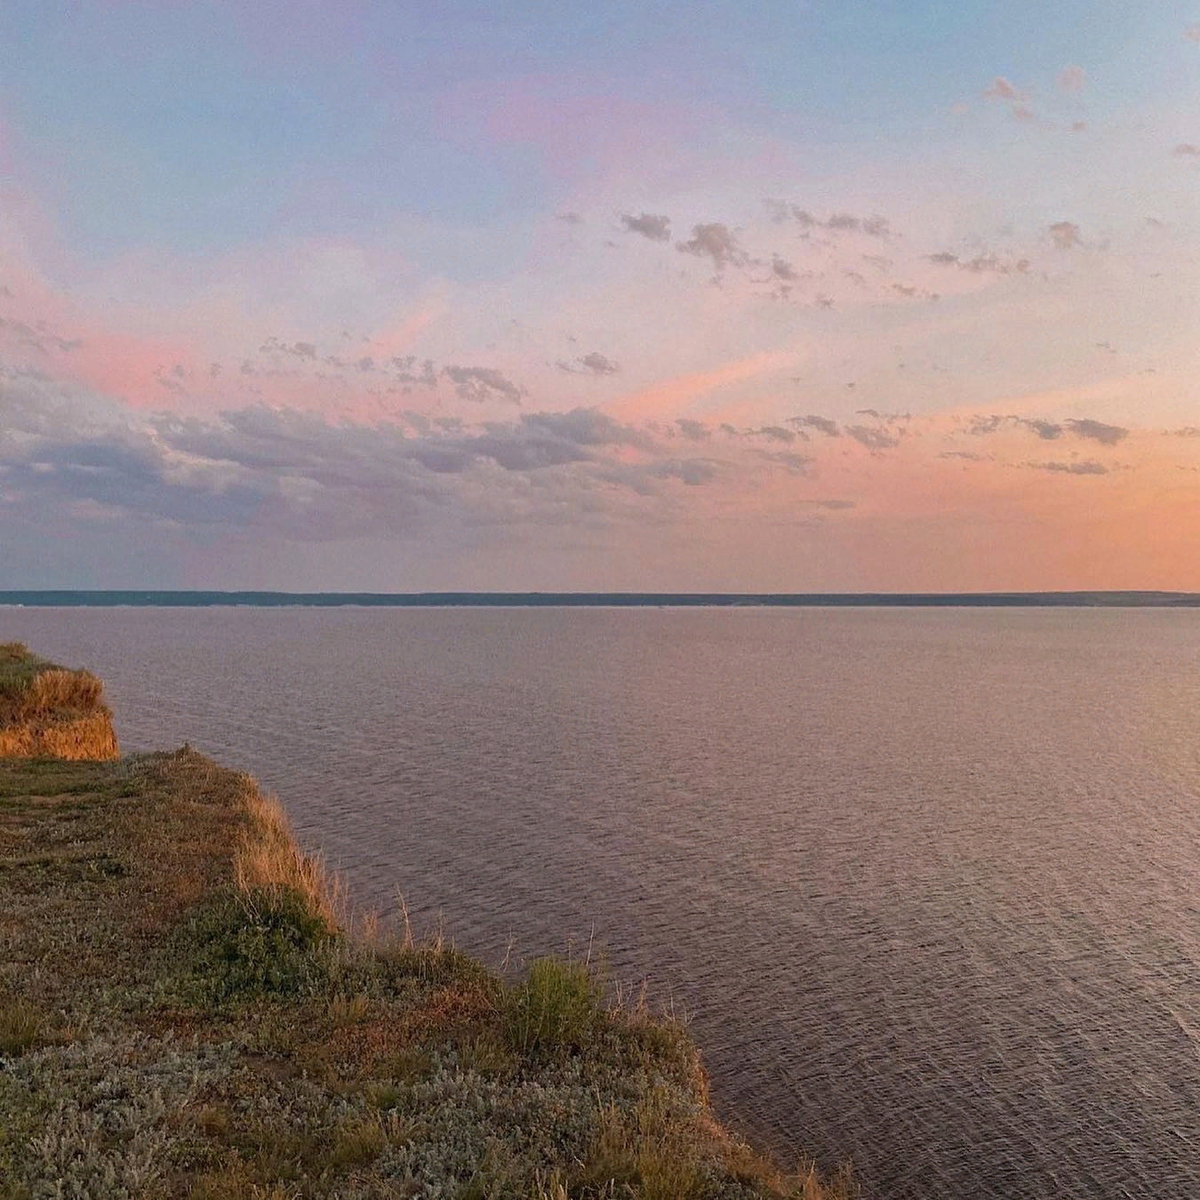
(558, 1006)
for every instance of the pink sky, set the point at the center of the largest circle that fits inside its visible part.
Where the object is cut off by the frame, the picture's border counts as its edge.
(690, 342)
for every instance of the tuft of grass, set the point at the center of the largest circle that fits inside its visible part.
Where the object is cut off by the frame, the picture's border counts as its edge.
(556, 1007)
(21, 1027)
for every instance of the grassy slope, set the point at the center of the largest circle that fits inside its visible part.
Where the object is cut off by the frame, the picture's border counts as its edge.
(181, 1016)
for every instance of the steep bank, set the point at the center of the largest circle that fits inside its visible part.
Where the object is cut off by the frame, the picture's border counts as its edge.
(48, 711)
(184, 1012)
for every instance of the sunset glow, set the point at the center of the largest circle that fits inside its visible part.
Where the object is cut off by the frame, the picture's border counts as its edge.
(806, 297)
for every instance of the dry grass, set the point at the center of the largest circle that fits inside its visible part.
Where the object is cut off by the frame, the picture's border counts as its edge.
(47, 711)
(82, 738)
(268, 858)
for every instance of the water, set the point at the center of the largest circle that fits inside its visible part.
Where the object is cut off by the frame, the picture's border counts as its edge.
(928, 882)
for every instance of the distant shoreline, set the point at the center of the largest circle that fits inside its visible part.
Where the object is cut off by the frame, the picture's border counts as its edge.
(261, 599)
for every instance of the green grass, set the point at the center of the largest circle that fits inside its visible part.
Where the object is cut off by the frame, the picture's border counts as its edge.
(18, 665)
(181, 1018)
(557, 1008)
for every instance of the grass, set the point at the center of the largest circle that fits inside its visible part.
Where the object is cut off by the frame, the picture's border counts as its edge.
(183, 1014)
(49, 711)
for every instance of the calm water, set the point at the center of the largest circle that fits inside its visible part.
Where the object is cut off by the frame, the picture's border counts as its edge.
(928, 882)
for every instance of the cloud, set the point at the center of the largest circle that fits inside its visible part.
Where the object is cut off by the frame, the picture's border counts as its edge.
(1002, 89)
(289, 474)
(1192, 33)
(1086, 467)
(38, 336)
(1065, 234)
(569, 218)
(782, 210)
(716, 242)
(782, 269)
(691, 471)
(794, 464)
(1097, 431)
(1048, 431)
(873, 437)
(694, 431)
(984, 263)
(824, 424)
(585, 427)
(482, 383)
(589, 364)
(650, 225)
(1184, 431)
(1071, 79)
(775, 433)
(1187, 150)
(302, 350)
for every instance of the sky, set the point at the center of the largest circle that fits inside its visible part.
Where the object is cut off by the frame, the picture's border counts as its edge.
(826, 295)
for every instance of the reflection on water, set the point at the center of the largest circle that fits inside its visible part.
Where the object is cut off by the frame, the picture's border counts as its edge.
(927, 881)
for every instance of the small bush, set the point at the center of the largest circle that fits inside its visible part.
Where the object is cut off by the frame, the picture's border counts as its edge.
(558, 1006)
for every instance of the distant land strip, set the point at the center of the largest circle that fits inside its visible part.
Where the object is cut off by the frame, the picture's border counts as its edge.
(181, 599)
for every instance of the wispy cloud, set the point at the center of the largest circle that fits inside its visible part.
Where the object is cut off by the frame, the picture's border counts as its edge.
(1065, 235)
(1084, 467)
(826, 425)
(1003, 89)
(589, 364)
(1071, 79)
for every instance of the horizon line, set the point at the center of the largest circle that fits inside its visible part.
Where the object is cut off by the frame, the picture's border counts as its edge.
(260, 597)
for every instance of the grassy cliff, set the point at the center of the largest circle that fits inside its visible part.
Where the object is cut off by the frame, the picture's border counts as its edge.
(186, 1012)
(46, 710)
